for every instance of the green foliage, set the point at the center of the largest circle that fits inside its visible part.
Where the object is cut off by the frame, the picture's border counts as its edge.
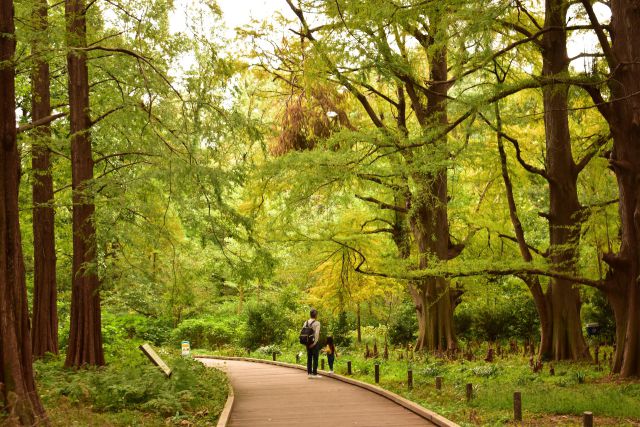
(485, 371)
(135, 327)
(597, 309)
(404, 325)
(497, 316)
(206, 332)
(341, 329)
(131, 383)
(266, 323)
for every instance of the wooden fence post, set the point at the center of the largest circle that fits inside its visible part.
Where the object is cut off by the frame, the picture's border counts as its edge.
(517, 406)
(469, 391)
(322, 363)
(377, 372)
(349, 367)
(410, 379)
(297, 357)
(587, 419)
(274, 356)
(438, 383)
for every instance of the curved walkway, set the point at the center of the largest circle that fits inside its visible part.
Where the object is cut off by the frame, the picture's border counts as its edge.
(269, 395)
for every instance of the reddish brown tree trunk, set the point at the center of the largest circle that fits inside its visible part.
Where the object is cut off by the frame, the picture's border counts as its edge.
(430, 226)
(85, 335)
(622, 113)
(45, 314)
(431, 296)
(563, 298)
(624, 122)
(19, 400)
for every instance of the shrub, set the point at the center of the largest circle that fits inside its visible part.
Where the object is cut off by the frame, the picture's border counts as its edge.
(341, 330)
(505, 318)
(485, 371)
(265, 324)
(130, 382)
(404, 326)
(206, 332)
(268, 350)
(597, 309)
(135, 326)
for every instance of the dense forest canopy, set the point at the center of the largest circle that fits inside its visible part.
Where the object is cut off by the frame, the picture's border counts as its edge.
(437, 172)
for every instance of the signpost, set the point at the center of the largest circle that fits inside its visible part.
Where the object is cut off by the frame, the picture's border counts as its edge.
(155, 359)
(186, 349)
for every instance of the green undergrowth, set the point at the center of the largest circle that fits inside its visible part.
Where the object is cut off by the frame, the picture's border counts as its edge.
(130, 391)
(547, 400)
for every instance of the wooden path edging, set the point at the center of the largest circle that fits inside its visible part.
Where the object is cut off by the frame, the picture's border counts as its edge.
(228, 406)
(428, 415)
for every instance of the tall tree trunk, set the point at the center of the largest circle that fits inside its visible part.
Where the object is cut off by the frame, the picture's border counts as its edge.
(623, 115)
(85, 335)
(431, 296)
(20, 402)
(429, 221)
(563, 298)
(45, 314)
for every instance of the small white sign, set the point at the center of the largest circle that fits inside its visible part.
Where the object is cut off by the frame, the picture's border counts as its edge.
(186, 348)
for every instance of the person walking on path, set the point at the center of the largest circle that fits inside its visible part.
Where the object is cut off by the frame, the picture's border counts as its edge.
(313, 349)
(331, 353)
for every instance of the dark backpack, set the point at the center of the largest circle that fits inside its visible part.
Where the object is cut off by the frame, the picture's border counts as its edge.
(307, 335)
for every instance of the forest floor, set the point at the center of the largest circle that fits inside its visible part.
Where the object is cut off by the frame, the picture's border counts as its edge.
(547, 400)
(130, 391)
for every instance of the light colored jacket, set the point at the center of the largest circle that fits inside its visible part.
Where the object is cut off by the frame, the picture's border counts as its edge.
(315, 325)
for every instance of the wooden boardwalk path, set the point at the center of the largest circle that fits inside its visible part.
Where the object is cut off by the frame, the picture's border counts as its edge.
(268, 395)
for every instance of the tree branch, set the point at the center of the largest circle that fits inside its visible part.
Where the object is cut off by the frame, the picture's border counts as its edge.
(490, 272)
(516, 145)
(105, 115)
(40, 122)
(382, 205)
(602, 38)
(595, 149)
(544, 254)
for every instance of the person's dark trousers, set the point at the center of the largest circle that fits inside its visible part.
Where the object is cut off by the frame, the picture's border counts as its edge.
(312, 359)
(330, 359)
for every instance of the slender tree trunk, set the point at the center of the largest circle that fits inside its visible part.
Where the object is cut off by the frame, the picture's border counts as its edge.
(563, 298)
(532, 282)
(45, 314)
(358, 324)
(85, 335)
(19, 400)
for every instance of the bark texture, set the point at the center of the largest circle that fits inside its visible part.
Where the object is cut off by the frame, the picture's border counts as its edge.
(85, 336)
(563, 298)
(45, 314)
(429, 223)
(18, 398)
(623, 116)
